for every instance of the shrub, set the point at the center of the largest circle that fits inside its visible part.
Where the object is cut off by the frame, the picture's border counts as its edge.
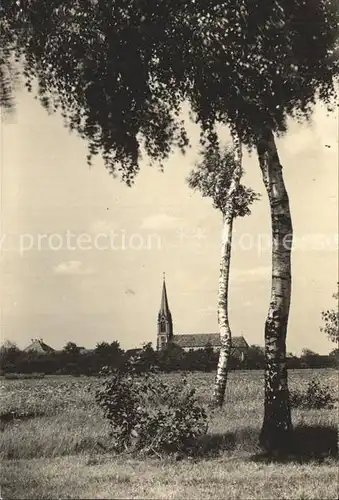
(316, 396)
(146, 414)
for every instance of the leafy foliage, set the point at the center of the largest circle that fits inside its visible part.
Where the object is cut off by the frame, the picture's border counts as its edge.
(146, 414)
(120, 71)
(316, 396)
(335, 355)
(212, 177)
(171, 359)
(9, 353)
(7, 77)
(8, 72)
(331, 320)
(258, 64)
(255, 357)
(72, 349)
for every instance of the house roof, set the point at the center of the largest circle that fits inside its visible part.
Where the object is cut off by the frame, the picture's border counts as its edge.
(202, 339)
(39, 346)
(133, 352)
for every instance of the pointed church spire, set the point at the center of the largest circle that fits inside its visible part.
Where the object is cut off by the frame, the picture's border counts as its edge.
(165, 325)
(164, 309)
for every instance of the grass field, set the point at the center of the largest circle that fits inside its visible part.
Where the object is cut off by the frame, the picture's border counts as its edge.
(58, 449)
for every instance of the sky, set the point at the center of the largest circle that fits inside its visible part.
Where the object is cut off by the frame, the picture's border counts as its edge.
(82, 255)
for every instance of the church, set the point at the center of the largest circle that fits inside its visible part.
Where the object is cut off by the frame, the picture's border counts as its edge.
(193, 340)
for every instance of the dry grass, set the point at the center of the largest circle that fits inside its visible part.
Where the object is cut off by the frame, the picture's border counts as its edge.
(57, 454)
(226, 477)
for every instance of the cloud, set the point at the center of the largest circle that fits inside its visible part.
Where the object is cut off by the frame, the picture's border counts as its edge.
(72, 267)
(161, 221)
(102, 227)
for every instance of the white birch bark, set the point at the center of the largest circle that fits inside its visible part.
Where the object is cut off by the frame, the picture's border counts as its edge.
(225, 261)
(277, 417)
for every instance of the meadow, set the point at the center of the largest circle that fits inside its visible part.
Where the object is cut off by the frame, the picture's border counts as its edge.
(59, 446)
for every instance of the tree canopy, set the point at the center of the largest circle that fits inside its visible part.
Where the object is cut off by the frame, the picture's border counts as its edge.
(120, 70)
(212, 177)
(331, 322)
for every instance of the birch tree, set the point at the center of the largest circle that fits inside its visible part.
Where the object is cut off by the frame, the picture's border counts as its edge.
(285, 59)
(120, 71)
(218, 177)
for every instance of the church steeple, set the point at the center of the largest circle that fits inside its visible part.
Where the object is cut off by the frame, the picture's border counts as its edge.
(165, 325)
(164, 309)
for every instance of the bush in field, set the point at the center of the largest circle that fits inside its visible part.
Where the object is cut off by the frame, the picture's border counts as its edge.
(316, 396)
(148, 415)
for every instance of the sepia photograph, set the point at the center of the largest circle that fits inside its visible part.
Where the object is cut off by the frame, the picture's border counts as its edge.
(169, 323)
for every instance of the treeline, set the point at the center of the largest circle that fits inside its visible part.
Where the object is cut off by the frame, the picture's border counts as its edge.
(73, 360)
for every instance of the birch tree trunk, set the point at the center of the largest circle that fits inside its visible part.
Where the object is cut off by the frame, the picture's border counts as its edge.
(225, 261)
(223, 321)
(277, 422)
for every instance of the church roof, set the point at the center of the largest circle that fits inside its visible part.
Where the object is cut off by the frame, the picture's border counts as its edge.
(200, 340)
(39, 346)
